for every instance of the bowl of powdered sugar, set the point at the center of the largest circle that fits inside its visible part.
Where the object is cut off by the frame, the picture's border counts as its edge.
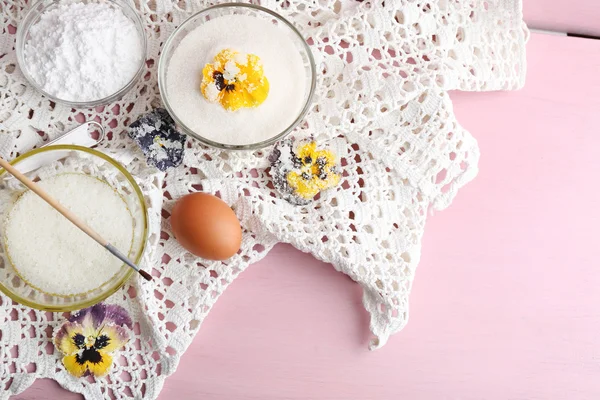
(236, 76)
(82, 53)
(46, 262)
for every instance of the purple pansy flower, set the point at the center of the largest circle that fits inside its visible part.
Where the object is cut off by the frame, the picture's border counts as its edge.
(90, 337)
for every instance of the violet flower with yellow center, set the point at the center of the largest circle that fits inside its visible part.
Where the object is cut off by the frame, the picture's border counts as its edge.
(90, 337)
(235, 80)
(302, 170)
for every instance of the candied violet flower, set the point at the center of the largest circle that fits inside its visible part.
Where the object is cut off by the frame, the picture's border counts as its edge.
(156, 134)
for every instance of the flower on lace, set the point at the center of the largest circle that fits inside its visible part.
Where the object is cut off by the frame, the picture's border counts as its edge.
(90, 337)
(235, 80)
(158, 138)
(301, 170)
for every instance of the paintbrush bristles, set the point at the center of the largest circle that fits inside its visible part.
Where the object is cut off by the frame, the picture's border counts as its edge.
(146, 275)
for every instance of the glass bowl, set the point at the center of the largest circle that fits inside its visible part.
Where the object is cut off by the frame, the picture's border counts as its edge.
(47, 162)
(33, 16)
(217, 11)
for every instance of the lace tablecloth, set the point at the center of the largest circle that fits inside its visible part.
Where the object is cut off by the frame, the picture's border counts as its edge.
(381, 103)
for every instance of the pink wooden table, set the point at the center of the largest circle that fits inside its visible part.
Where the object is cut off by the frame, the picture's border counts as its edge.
(505, 303)
(576, 16)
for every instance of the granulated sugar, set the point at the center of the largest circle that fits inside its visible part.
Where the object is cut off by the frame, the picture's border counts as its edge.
(83, 51)
(283, 67)
(50, 252)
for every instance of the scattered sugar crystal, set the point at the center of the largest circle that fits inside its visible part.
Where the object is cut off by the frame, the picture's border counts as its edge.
(51, 253)
(241, 58)
(231, 70)
(212, 92)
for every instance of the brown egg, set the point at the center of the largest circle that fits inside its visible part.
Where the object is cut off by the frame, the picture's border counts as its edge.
(206, 226)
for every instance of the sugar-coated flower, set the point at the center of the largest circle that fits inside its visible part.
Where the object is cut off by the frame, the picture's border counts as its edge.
(301, 170)
(235, 80)
(157, 136)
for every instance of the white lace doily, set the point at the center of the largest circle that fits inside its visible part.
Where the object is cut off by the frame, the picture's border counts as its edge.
(383, 71)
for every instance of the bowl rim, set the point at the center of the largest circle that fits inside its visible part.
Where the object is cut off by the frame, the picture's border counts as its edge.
(20, 45)
(162, 71)
(142, 248)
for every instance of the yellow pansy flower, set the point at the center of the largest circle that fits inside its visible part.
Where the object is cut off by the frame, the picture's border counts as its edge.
(90, 337)
(302, 170)
(235, 80)
(314, 171)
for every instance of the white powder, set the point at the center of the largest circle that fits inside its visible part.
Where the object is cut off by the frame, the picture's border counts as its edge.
(50, 252)
(283, 67)
(83, 52)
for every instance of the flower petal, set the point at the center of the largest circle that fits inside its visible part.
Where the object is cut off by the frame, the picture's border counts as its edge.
(101, 314)
(115, 338)
(91, 316)
(308, 150)
(79, 316)
(64, 338)
(102, 367)
(307, 189)
(73, 366)
(117, 315)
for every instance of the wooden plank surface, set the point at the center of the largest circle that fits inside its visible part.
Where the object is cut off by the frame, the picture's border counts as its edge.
(505, 302)
(578, 16)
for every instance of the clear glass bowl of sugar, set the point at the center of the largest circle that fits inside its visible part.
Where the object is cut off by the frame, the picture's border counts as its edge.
(46, 262)
(100, 62)
(248, 29)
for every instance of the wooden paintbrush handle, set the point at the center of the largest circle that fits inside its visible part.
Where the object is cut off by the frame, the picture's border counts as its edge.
(53, 202)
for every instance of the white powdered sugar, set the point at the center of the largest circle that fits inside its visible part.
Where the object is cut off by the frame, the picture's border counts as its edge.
(51, 253)
(283, 67)
(83, 51)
